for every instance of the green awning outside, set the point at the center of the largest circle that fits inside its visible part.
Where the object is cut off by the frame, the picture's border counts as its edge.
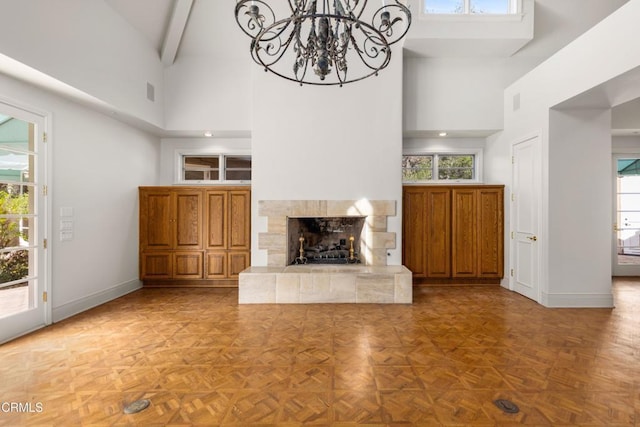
(628, 167)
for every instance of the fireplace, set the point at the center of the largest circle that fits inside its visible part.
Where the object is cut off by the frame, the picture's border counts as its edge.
(372, 239)
(326, 227)
(324, 240)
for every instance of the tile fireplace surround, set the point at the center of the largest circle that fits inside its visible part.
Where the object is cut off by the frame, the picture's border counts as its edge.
(372, 281)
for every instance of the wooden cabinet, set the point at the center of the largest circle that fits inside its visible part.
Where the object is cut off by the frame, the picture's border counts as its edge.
(195, 236)
(171, 265)
(229, 233)
(490, 220)
(464, 254)
(453, 234)
(173, 219)
(427, 231)
(413, 231)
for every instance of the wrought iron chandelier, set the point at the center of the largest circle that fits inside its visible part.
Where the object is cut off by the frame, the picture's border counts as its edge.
(323, 42)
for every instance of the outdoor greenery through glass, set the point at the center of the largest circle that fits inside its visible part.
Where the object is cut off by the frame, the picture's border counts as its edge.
(14, 264)
(17, 222)
(417, 168)
(455, 167)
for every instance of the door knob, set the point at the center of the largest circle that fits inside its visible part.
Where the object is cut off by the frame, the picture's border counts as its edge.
(533, 238)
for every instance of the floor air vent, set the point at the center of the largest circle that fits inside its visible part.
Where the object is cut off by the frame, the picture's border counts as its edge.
(137, 406)
(507, 406)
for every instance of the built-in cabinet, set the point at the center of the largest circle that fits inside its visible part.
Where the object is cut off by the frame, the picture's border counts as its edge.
(194, 236)
(454, 234)
(228, 246)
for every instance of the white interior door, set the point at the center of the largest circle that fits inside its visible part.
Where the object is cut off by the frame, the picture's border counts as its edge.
(626, 214)
(23, 261)
(525, 254)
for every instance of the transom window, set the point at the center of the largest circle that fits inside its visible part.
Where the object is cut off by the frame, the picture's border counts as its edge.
(439, 167)
(488, 7)
(215, 168)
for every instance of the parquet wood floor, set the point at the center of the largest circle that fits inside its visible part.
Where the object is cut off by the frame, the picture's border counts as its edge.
(204, 360)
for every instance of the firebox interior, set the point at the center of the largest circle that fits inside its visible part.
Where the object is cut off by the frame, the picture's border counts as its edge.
(324, 240)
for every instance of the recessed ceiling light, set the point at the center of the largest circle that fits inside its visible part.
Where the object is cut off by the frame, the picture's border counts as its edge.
(208, 134)
(442, 134)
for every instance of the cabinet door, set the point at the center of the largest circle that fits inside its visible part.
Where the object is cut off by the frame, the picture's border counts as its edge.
(464, 233)
(239, 220)
(187, 265)
(188, 219)
(438, 232)
(217, 219)
(238, 261)
(156, 265)
(414, 230)
(490, 233)
(216, 265)
(156, 231)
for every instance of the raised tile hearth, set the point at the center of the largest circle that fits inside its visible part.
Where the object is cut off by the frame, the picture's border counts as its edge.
(311, 284)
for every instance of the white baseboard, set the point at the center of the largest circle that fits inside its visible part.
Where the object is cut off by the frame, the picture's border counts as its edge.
(83, 304)
(577, 300)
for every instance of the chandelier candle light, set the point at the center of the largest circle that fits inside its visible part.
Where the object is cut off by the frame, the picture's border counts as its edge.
(341, 41)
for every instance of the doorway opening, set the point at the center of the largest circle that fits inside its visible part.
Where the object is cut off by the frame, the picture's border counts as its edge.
(626, 245)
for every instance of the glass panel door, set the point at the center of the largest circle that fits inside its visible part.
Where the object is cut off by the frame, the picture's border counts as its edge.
(22, 283)
(627, 216)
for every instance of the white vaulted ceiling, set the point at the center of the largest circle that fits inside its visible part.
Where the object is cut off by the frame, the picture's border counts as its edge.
(150, 17)
(210, 29)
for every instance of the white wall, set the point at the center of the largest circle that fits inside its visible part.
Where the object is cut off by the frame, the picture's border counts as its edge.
(570, 165)
(209, 93)
(579, 239)
(97, 165)
(458, 93)
(626, 144)
(328, 143)
(453, 94)
(627, 116)
(497, 169)
(87, 45)
(442, 144)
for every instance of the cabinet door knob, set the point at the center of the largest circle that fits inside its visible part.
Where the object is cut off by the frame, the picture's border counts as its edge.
(533, 238)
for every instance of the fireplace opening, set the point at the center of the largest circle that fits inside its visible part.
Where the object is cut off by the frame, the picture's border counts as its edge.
(324, 240)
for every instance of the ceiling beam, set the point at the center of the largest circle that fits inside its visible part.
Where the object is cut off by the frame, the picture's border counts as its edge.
(176, 28)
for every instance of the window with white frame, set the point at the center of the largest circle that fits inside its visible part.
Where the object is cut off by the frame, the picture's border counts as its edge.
(471, 7)
(437, 167)
(214, 168)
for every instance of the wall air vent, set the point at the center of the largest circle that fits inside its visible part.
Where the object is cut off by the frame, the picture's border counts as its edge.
(151, 92)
